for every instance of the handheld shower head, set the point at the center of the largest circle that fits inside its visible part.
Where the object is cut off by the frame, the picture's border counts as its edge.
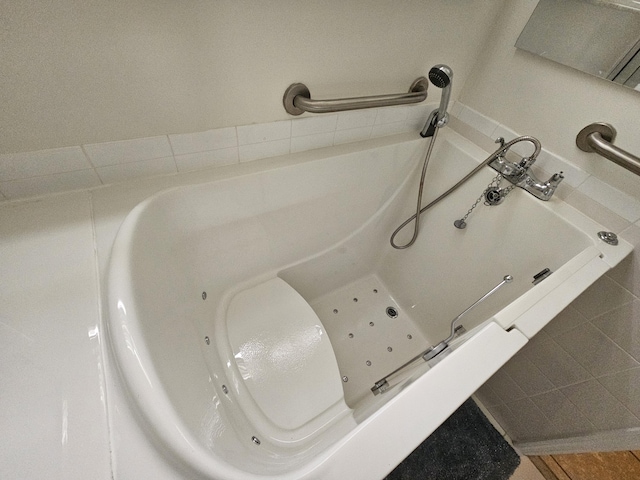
(441, 76)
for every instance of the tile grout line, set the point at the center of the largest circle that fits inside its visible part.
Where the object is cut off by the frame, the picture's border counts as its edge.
(173, 153)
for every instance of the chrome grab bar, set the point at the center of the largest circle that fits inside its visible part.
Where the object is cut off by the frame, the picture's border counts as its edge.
(297, 99)
(598, 137)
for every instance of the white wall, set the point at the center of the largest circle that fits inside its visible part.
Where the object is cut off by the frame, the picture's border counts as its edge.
(76, 72)
(539, 97)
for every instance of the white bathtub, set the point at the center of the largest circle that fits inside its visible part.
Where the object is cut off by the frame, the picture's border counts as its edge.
(248, 321)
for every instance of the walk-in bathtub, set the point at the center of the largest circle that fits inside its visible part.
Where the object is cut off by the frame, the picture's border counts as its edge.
(250, 317)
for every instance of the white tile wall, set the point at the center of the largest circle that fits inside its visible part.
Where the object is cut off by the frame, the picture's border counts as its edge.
(86, 166)
(590, 353)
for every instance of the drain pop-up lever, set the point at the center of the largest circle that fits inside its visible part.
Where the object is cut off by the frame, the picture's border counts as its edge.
(382, 385)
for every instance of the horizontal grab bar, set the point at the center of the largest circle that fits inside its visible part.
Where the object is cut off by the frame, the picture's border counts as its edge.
(598, 138)
(297, 99)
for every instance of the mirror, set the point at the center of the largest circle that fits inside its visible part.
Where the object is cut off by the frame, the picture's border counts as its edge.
(600, 37)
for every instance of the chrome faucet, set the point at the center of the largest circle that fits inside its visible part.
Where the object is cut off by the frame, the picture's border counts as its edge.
(520, 173)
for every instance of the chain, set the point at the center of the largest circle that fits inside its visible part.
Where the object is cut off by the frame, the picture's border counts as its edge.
(498, 195)
(475, 204)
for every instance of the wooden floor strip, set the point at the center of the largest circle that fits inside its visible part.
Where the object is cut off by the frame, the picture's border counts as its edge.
(543, 468)
(557, 470)
(600, 466)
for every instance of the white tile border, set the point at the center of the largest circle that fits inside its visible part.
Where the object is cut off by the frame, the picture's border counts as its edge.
(212, 158)
(615, 200)
(49, 184)
(144, 168)
(483, 124)
(263, 132)
(116, 161)
(223, 146)
(16, 166)
(127, 151)
(198, 142)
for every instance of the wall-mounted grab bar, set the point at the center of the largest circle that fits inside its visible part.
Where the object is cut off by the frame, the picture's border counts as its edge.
(297, 99)
(598, 137)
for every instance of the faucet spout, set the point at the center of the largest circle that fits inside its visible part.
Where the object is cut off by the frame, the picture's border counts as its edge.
(539, 189)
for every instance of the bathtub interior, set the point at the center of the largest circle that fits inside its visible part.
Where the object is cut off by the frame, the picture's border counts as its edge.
(325, 233)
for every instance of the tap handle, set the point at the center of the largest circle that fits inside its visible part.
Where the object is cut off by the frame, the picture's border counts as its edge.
(555, 179)
(526, 162)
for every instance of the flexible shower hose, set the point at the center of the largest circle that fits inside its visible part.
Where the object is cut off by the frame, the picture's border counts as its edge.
(416, 225)
(416, 228)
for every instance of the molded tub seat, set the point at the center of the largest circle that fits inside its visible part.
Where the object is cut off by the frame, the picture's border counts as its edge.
(285, 358)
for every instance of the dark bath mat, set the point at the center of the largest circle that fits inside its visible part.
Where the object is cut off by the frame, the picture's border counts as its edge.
(464, 447)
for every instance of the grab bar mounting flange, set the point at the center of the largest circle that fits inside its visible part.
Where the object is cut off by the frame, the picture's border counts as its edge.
(606, 131)
(598, 137)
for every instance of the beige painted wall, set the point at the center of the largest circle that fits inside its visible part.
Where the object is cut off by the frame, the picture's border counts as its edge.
(82, 71)
(550, 101)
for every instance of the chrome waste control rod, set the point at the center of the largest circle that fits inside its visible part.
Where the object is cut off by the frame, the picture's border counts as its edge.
(382, 385)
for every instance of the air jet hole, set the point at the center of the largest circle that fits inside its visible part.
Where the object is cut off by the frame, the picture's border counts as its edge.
(392, 312)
